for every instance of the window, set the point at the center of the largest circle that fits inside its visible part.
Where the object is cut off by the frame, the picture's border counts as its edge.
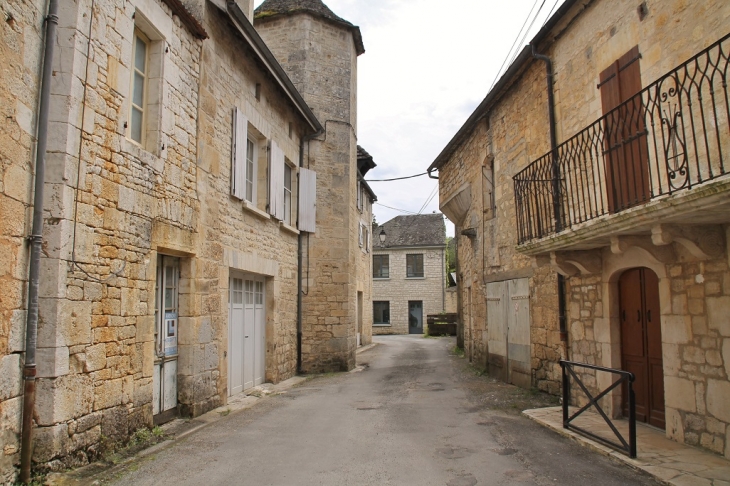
(381, 313)
(140, 73)
(362, 234)
(381, 266)
(488, 187)
(250, 170)
(414, 266)
(287, 193)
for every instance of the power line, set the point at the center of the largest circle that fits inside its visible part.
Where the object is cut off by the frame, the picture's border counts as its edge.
(395, 209)
(527, 19)
(396, 179)
(429, 199)
(514, 56)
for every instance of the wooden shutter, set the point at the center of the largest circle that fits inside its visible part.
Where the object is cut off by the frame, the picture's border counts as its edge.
(238, 154)
(627, 176)
(276, 181)
(307, 200)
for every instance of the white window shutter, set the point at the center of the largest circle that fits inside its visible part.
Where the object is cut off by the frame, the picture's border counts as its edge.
(238, 154)
(367, 247)
(276, 181)
(307, 200)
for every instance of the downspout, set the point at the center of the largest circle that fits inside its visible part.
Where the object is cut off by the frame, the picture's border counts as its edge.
(459, 288)
(300, 258)
(36, 241)
(555, 187)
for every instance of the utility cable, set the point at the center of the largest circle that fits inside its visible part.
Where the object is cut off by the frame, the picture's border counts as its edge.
(397, 178)
(527, 19)
(524, 36)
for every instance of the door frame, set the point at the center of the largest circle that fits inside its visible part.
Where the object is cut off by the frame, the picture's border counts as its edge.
(162, 358)
(409, 316)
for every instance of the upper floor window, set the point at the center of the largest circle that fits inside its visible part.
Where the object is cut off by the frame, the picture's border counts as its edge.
(251, 157)
(287, 193)
(381, 266)
(140, 73)
(414, 265)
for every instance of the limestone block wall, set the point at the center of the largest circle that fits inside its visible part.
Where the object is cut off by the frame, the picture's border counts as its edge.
(236, 238)
(364, 272)
(398, 290)
(321, 60)
(20, 36)
(107, 200)
(695, 299)
(515, 133)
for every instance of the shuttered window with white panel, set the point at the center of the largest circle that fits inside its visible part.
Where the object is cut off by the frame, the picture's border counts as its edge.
(238, 154)
(307, 200)
(276, 181)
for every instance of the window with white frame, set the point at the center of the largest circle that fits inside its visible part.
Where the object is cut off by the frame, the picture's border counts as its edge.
(244, 163)
(362, 234)
(140, 73)
(251, 156)
(287, 193)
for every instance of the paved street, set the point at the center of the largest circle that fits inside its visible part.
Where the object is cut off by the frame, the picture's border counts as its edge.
(414, 415)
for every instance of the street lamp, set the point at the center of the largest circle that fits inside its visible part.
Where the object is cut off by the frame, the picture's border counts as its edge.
(382, 237)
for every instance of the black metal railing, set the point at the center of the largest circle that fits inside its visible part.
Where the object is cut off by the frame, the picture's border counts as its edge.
(625, 378)
(671, 136)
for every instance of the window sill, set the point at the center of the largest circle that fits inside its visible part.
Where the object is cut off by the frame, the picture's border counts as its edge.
(288, 229)
(130, 147)
(248, 206)
(382, 325)
(383, 279)
(415, 278)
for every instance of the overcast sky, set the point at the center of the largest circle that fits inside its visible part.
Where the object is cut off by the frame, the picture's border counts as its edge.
(426, 67)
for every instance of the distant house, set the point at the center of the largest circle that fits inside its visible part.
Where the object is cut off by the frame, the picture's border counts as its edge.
(409, 273)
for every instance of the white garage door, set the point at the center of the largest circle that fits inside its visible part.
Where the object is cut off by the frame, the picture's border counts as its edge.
(246, 333)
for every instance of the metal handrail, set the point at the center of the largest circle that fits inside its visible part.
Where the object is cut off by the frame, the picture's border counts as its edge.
(626, 377)
(671, 136)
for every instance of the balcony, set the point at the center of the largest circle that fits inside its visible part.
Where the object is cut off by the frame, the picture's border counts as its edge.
(662, 157)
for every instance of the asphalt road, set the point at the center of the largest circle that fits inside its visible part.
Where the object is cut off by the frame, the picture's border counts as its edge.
(413, 414)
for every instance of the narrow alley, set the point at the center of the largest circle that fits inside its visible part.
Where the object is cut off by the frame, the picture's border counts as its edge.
(411, 413)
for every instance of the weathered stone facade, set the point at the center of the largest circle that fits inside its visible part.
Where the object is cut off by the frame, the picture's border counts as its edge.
(115, 207)
(582, 41)
(399, 290)
(319, 51)
(21, 33)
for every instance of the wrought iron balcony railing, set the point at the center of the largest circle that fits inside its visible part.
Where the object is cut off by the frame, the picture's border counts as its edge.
(672, 136)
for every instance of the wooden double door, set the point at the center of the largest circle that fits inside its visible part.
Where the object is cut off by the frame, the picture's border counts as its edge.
(641, 343)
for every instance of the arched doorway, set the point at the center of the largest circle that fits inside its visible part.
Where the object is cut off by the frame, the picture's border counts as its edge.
(641, 343)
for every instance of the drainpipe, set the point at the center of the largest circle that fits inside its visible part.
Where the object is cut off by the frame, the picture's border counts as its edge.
(300, 259)
(555, 186)
(36, 240)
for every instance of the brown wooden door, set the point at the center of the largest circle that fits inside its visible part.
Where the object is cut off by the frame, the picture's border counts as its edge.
(626, 154)
(641, 343)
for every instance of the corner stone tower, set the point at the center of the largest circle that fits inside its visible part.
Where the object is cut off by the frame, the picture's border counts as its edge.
(319, 52)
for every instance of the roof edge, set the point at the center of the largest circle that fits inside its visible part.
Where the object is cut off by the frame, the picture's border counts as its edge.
(267, 58)
(513, 73)
(187, 18)
(267, 16)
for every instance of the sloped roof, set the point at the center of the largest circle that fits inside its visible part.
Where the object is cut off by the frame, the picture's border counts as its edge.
(275, 8)
(365, 161)
(187, 18)
(412, 230)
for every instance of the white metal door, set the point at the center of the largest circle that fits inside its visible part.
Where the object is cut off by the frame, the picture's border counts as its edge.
(235, 337)
(518, 332)
(166, 334)
(247, 334)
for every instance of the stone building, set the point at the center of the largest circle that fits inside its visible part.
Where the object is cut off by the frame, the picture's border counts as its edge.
(627, 201)
(409, 273)
(179, 194)
(319, 52)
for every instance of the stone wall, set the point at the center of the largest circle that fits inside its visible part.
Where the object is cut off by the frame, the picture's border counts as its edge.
(20, 35)
(399, 290)
(109, 203)
(321, 60)
(514, 133)
(364, 272)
